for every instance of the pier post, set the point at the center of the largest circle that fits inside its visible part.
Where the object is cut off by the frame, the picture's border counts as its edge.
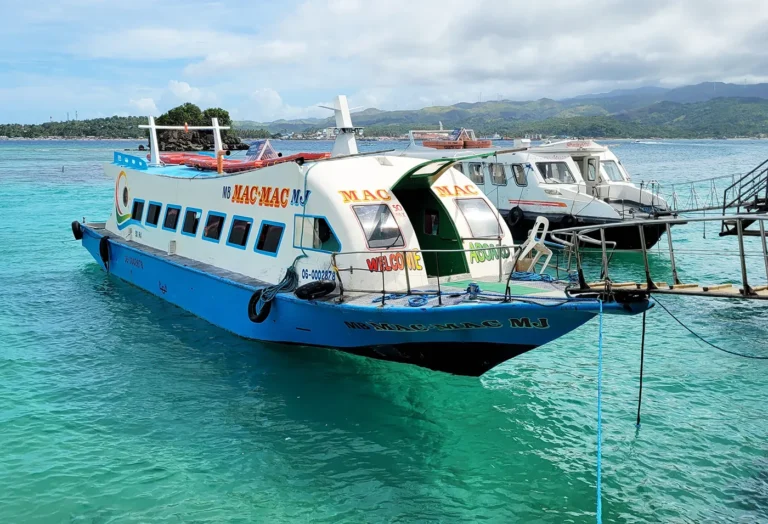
(649, 284)
(675, 280)
(765, 248)
(746, 290)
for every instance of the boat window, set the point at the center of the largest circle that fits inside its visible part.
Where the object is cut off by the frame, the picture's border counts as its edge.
(314, 233)
(521, 179)
(213, 226)
(238, 232)
(431, 222)
(498, 176)
(460, 167)
(475, 173)
(191, 221)
(482, 221)
(171, 221)
(138, 210)
(612, 171)
(556, 172)
(153, 213)
(270, 235)
(380, 227)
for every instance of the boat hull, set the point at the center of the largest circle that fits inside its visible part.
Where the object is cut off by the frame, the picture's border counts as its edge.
(460, 339)
(626, 238)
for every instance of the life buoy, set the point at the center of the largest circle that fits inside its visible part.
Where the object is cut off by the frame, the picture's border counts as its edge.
(515, 216)
(104, 251)
(261, 316)
(77, 231)
(313, 290)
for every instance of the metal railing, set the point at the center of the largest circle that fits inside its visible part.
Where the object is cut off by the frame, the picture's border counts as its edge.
(572, 239)
(338, 269)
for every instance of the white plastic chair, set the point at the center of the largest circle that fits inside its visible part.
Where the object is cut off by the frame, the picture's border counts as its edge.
(535, 242)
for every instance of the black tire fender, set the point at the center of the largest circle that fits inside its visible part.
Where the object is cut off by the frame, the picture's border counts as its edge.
(313, 290)
(104, 251)
(77, 231)
(515, 216)
(568, 221)
(263, 314)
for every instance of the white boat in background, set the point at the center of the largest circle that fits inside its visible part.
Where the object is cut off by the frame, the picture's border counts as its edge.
(525, 182)
(606, 178)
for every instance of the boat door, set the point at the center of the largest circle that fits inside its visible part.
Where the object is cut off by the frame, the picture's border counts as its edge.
(590, 172)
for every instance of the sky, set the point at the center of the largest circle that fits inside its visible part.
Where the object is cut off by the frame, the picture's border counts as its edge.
(268, 60)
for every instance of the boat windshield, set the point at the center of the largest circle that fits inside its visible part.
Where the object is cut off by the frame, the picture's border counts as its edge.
(380, 227)
(556, 173)
(482, 221)
(612, 171)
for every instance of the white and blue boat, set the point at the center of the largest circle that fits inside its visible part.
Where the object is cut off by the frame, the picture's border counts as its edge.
(388, 257)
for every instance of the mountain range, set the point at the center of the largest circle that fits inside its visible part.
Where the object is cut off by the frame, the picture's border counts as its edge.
(706, 109)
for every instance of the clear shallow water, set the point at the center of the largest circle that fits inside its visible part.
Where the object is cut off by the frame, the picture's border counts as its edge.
(117, 407)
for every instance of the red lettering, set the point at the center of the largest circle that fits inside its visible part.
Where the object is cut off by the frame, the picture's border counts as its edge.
(373, 264)
(284, 197)
(382, 194)
(236, 195)
(254, 194)
(368, 196)
(266, 193)
(349, 196)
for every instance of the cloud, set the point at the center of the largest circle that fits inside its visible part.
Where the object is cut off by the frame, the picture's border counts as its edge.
(180, 92)
(266, 104)
(277, 60)
(145, 106)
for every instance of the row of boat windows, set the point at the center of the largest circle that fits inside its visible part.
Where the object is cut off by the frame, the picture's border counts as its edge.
(308, 230)
(552, 172)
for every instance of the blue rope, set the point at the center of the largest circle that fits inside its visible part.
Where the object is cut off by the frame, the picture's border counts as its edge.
(527, 276)
(599, 413)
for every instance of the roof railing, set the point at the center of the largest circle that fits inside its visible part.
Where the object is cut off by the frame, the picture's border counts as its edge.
(154, 148)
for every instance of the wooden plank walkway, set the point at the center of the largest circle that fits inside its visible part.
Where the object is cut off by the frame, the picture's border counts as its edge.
(714, 290)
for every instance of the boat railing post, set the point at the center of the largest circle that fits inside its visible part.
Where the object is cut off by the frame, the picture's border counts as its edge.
(675, 280)
(765, 248)
(579, 270)
(605, 256)
(338, 275)
(383, 286)
(746, 291)
(501, 270)
(407, 278)
(439, 294)
(648, 280)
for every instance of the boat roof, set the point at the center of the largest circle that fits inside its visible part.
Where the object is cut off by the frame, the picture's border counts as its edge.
(570, 146)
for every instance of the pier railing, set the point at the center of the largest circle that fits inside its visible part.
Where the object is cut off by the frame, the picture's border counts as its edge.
(575, 239)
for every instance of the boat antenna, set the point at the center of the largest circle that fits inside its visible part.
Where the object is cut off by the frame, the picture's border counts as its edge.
(345, 143)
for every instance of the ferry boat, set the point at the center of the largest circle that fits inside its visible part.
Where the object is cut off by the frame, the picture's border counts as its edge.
(572, 183)
(393, 258)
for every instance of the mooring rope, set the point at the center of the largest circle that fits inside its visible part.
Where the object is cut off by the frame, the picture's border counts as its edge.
(707, 342)
(599, 413)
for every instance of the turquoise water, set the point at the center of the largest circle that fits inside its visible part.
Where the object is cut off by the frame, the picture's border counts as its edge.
(117, 407)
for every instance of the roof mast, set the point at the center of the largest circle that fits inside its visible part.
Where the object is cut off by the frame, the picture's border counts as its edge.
(345, 143)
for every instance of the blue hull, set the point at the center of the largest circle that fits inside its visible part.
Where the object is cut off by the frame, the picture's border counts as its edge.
(465, 339)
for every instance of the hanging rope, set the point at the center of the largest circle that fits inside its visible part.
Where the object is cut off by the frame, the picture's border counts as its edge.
(706, 341)
(599, 413)
(642, 360)
(289, 283)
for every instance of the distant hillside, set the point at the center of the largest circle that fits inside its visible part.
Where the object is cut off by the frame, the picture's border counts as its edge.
(112, 127)
(627, 105)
